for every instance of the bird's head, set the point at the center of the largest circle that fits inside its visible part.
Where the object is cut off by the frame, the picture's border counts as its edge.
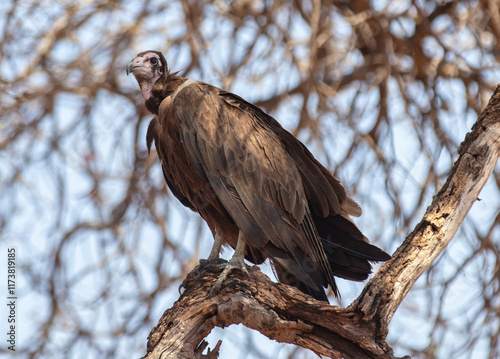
(148, 67)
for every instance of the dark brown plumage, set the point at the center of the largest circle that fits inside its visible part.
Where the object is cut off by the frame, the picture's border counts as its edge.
(258, 188)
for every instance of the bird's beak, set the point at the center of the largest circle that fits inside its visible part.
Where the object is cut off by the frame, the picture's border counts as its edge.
(136, 63)
(130, 67)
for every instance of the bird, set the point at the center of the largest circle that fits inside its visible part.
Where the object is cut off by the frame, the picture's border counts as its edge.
(259, 189)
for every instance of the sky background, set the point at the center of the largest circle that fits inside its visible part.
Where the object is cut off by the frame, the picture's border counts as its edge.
(94, 286)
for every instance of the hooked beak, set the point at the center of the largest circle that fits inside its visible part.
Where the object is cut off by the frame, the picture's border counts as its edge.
(130, 67)
(136, 63)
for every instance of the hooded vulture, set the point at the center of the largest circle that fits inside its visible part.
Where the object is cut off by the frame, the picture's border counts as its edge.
(258, 188)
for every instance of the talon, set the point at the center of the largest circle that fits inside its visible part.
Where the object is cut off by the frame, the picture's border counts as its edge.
(193, 274)
(217, 262)
(232, 265)
(245, 270)
(197, 271)
(182, 286)
(236, 262)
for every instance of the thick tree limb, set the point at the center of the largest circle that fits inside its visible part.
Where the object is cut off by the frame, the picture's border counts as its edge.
(276, 310)
(285, 314)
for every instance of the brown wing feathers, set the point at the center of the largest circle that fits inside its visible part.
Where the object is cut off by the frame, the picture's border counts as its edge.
(341, 243)
(265, 206)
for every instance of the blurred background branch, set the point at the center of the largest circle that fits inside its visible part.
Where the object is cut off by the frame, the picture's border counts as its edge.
(382, 92)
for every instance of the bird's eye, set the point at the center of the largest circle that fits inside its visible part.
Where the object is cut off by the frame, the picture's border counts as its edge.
(154, 61)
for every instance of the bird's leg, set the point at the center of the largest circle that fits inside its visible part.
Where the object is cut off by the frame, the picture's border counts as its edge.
(214, 253)
(237, 262)
(238, 258)
(214, 258)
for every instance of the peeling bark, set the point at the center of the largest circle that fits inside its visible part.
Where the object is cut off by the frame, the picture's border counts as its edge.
(276, 310)
(285, 314)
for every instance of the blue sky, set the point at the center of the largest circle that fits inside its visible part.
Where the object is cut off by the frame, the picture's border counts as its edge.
(37, 228)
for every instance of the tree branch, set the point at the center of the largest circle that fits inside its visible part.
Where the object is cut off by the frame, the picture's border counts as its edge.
(285, 314)
(276, 310)
(479, 153)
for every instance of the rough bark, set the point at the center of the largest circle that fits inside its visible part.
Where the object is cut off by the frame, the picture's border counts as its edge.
(283, 313)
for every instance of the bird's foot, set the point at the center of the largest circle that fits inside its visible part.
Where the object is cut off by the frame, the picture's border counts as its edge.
(229, 267)
(216, 263)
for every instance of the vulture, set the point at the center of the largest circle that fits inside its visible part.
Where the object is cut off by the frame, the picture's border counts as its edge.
(259, 189)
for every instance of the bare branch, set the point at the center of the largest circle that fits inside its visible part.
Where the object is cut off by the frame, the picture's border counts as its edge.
(382, 95)
(479, 153)
(276, 310)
